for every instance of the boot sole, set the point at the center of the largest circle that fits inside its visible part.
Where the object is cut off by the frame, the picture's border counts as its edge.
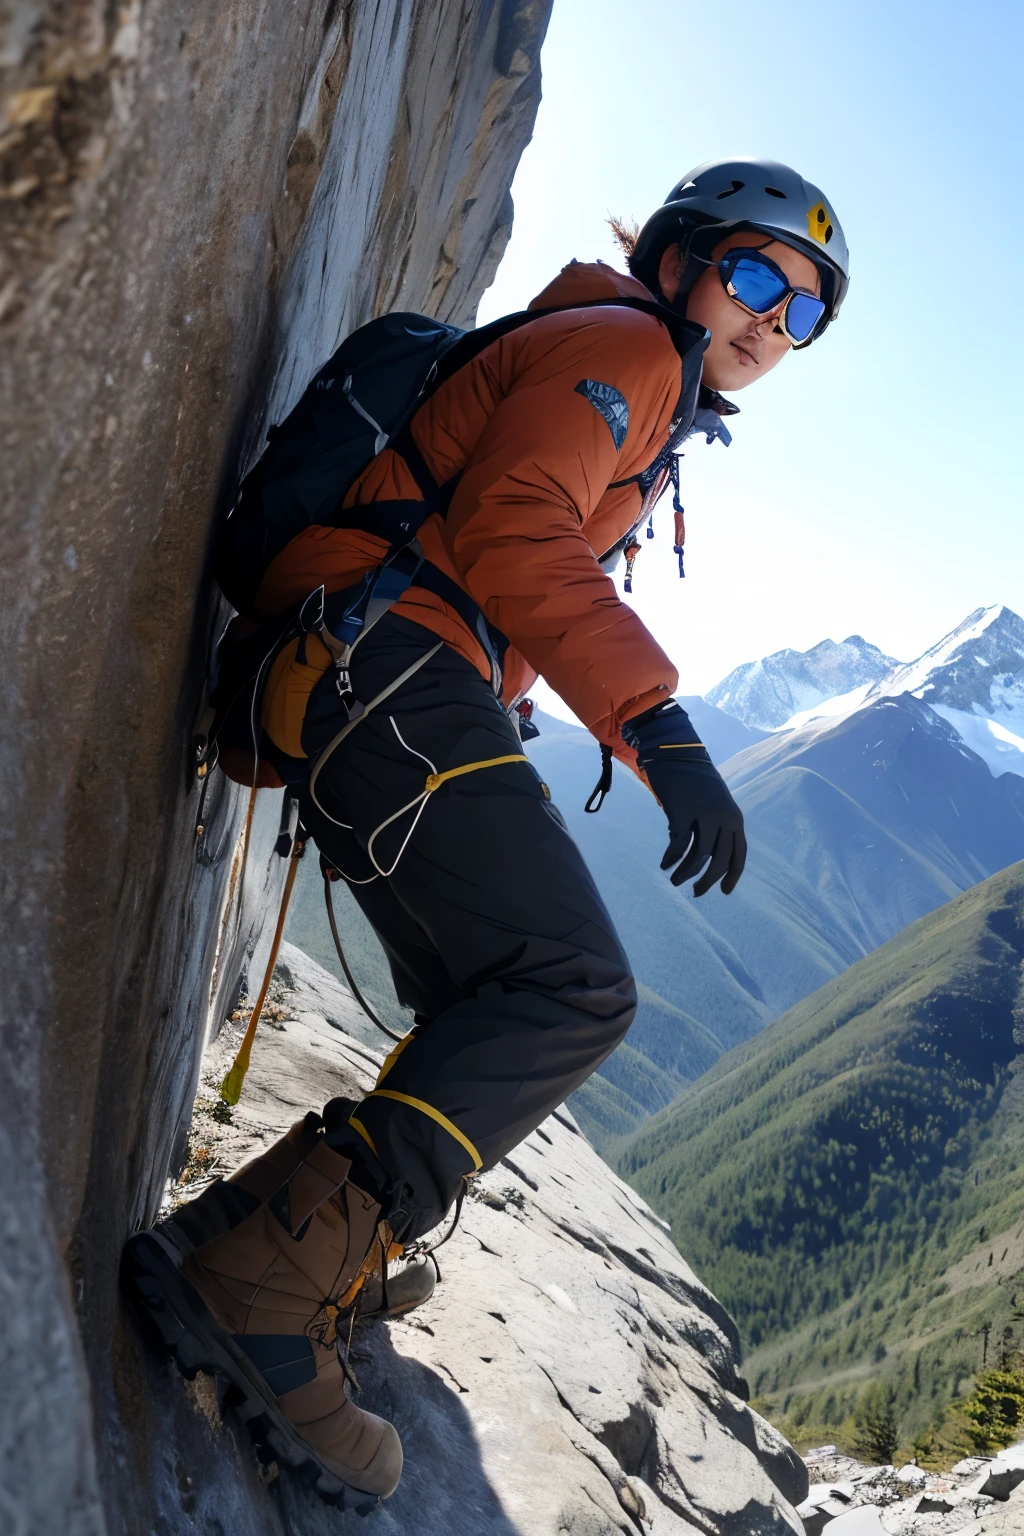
(157, 1288)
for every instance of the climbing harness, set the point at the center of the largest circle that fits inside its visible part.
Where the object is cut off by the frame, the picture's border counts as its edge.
(433, 781)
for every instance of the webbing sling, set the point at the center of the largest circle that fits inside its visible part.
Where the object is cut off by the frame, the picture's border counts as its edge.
(359, 713)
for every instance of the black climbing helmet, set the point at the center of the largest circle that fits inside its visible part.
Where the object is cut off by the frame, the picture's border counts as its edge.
(724, 196)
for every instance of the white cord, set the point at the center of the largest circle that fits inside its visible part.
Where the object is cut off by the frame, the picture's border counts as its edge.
(407, 747)
(420, 800)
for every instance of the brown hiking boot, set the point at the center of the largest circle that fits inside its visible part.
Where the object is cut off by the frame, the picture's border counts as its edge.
(387, 1294)
(257, 1303)
(224, 1203)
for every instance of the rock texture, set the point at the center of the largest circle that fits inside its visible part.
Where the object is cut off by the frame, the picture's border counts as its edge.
(195, 203)
(981, 1496)
(570, 1377)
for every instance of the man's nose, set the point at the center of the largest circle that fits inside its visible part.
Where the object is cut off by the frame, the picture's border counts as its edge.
(770, 320)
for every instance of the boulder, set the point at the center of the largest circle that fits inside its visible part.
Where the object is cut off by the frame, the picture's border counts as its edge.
(998, 1480)
(570, 1375)
(863, 1521)
(1007, 1519)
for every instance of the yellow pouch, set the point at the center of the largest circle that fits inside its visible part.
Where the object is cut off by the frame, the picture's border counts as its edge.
(289, 684)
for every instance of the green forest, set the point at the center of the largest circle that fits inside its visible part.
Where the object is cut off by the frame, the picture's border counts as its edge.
(850, 1184)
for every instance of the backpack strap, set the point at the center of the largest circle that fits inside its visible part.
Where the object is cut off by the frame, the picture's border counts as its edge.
(686, 336)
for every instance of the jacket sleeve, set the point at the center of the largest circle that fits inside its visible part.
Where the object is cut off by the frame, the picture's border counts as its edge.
(515, 530)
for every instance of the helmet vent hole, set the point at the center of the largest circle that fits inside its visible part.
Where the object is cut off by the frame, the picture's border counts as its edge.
(737, 186)
(774, 192)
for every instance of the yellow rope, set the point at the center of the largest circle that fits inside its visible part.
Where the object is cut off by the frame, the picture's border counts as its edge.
(435, 780)
(231, 1087)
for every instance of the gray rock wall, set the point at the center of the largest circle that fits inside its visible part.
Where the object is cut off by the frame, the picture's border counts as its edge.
(196, 202)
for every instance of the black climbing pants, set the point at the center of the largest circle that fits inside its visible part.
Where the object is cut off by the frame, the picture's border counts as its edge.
(494, 929)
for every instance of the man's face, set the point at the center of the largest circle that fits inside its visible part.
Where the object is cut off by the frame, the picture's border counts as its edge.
(743, 347)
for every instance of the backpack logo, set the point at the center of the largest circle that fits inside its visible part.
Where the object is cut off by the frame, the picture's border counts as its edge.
(609, 403)
(325, 383)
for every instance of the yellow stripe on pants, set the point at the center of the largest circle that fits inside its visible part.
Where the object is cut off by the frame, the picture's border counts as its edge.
(436, 1115)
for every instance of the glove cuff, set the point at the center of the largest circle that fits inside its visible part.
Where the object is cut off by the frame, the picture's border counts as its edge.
(666, 724)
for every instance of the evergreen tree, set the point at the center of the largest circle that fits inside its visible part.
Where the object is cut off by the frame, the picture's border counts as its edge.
(876, 1432)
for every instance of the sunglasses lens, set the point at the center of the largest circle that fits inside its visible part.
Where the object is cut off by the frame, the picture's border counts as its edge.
(802, 314)
(755, 284)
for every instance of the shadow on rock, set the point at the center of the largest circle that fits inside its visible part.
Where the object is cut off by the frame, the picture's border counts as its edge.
(444, 1487)
(187, 1469)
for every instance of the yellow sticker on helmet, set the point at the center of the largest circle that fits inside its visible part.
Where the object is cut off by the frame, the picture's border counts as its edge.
(819, 225)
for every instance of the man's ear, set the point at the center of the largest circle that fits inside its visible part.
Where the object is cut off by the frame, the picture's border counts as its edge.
(670, 271)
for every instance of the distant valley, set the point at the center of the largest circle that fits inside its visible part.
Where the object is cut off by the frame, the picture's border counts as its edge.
(850, 1182)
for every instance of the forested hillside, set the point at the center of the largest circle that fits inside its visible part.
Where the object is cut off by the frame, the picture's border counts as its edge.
(851, 1183)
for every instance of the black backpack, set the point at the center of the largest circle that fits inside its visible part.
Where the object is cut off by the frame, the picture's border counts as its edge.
(359, 402)
(349, 412)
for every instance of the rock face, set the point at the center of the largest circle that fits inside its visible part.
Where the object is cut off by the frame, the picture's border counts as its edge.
(196, 203)
(570, 1377)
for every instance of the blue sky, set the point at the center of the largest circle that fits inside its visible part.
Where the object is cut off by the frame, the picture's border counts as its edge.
(874, 482)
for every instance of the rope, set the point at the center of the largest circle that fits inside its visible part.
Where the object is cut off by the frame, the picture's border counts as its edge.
(353, 988)
(433, 781)
(231, 1087)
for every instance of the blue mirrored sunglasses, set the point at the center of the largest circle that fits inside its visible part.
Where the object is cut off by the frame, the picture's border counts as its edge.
(754, 282)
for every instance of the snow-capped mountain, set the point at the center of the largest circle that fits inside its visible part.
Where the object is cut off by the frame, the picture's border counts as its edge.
(765, 694)
(974, 678)
(978, 664)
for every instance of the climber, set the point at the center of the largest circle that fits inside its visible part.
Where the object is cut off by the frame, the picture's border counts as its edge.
(538, 459)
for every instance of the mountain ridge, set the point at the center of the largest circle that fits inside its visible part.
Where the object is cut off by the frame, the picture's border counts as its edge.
(764, 694)
(973, 677)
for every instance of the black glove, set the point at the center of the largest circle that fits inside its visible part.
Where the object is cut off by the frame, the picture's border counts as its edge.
(704, 821)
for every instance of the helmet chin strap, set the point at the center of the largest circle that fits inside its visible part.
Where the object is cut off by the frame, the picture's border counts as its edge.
(693, 265)
(687, 278)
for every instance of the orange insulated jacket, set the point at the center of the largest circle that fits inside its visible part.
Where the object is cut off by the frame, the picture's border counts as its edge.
(540, 428)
